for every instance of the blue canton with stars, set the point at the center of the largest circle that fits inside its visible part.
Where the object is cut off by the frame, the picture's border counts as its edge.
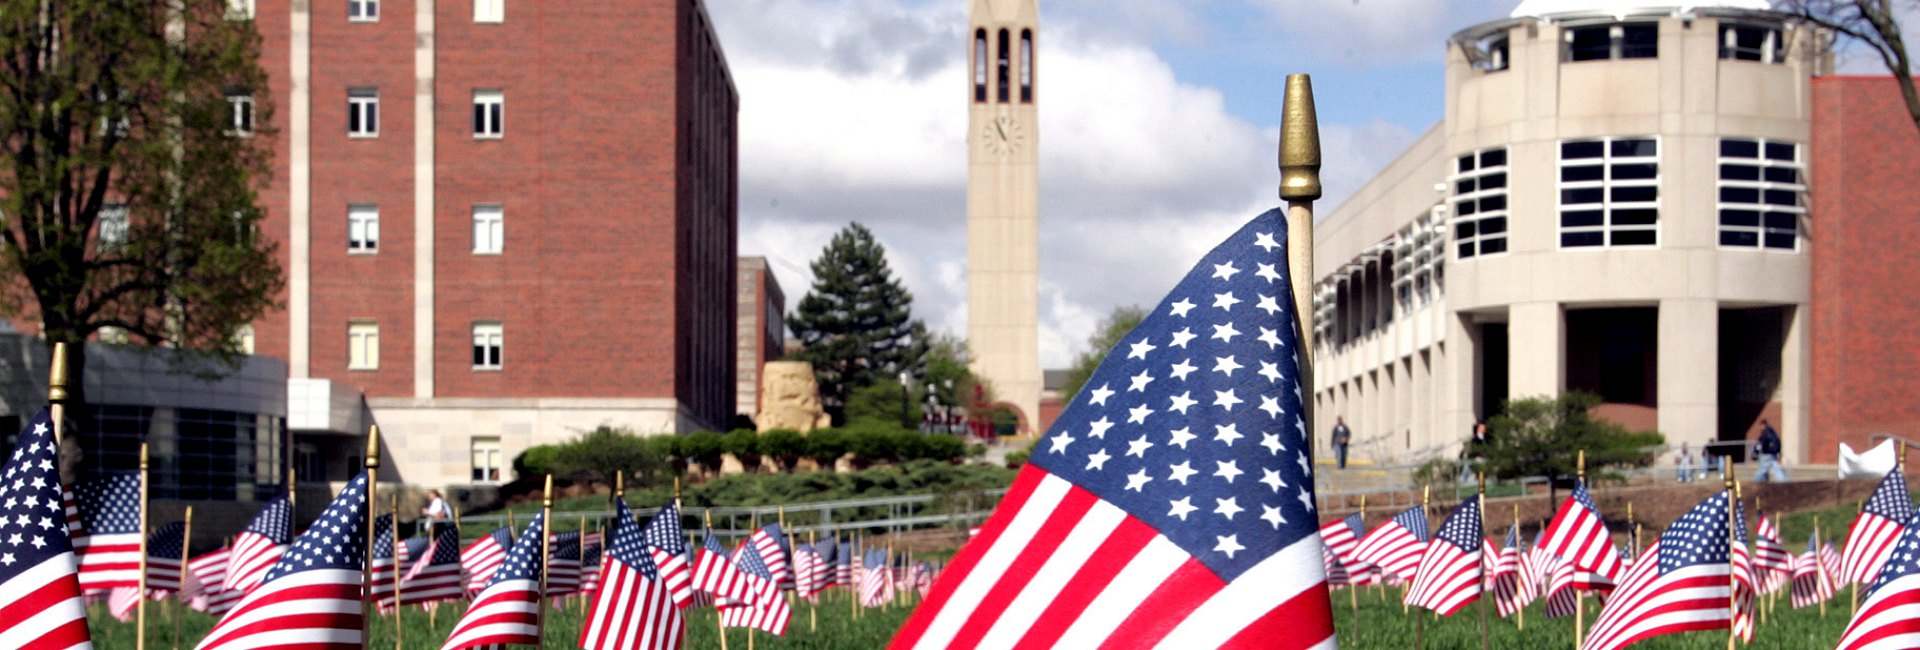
(629, 542)
(826, 549)
(275, 521)
(1356, 524)
(750, 562)
(780, 536)
(383, 537)
(523, 562)
(1903, 561)
(1585, 498)
(663, 531)
(336, 539)
(166, 541)
(1696, 538)
(446, 537)
(1890, 499)
(1415, 521)
(1193, 424)
(1462, 527)
(31, 518)
(1513, 537)
(110, 504)
(565, 546)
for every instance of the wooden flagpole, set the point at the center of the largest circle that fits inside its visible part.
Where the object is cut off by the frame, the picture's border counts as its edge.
(790, 563)
(1819, 565)
(1419, 622)
(1353, 590)
(186, 555)
(140, 608)
(1300, 187)
(580, 595)
(1733, 586)
(753, 524)
(57, 391)
(393, 501)
(1580, 599)
(1520, 614)
(813, 623)
(718, 624)
(546, 548)
(366, 568)
(1481, 504)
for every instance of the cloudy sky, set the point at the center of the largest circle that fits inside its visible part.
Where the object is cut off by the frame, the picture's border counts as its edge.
(1158, 129)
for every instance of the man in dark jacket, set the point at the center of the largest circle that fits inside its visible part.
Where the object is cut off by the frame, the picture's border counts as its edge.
(1766, 452)
(1342, 437)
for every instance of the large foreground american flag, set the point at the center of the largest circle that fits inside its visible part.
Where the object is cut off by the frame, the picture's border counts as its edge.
(1579, 535)
(507, 610)
(38, 573)
(1889, 614)
(1450, 572)
(1682, 583)
(1396, 546)
(634, 608)
(1172, 501)
(311, 597)
(1875, 531)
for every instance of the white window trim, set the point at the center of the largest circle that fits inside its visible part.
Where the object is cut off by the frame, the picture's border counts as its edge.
(1606, 205)
(1762, 185)
(496, 16)
(111, 226)
(370, 99)
(240, 9)
(499, 127)
(372, 17)
(499, 334)
(353, 212)
(498, 232)
(496, 453)
(235, 128)
(1477, 194)
(363, 336)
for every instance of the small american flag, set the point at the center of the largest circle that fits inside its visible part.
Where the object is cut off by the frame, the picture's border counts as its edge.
(311, 597)
(843, 565)
(768, 610)
(484, 556)
(667, 542)
(1579, 535)
(806, 561)
(1343, 536)
(563, 565)
(1812, 584)
(634, 608)
(876, 585)
(719, 575)
(1888, 618)
(110, 511)
(260, 545)
(1682, 583)
(39, 578)
(1562, 598)
(1830, 559)
(163, 570)
(1336, 570)
(827, 571)
(507, 610)
(1882, 520)
(385, 567)
(1449, 576)
(435, 572)
(1396, 546)
(206, 589)
(772, 545)
(1771, 562)
(1512, 578)
(591, 550)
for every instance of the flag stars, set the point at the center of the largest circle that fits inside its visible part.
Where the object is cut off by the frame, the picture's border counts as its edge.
(1272, 442)
(1267, 304)
(1182, 337)
(1226, 365)
(1098, 428)
(1060, 442)
(1181, 436)
(1182, 369)
(1100, 395)
(1272, 480)
(1138, 448)
(1227, 433)
(1266, 272)
(1270, 337)
(1139, 382)
(1182, 507)
(1265, 241)
(1225, 301)
(1228, 544)
(1140, 348)
(1270, 370)
(1272, 516)
(1224, 271)
(1138, 480)
(1138, 414)
(1181, 472)
(1306, 500)
(1227, 507)
(1182, 402)
(1227, 469)
(1098, 459)
(1271, 406)
(1225, 399)
(1182, 307)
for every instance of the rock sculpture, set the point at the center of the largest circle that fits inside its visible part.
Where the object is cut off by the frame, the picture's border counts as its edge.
(790, 399)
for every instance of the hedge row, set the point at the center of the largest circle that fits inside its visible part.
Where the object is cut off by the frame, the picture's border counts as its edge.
(597, 454)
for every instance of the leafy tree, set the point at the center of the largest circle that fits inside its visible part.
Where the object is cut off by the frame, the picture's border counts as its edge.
(1108, 334)
(1875, 24)
(784, 446)
(703, 448)
(880, 403)
(856, 321)
(744, 444)
(1542, 436)
(127, 199)
(948, 375)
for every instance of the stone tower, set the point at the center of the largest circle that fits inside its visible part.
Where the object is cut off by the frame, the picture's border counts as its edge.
(1003, 207)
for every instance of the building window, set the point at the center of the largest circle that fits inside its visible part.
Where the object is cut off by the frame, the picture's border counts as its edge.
(111, 230)
(489, 114)
(980, 65)
(1609, 192)
(1480, 203)
(363, 346)
(239, 9)
(363, 11)
(1004, 68)
(1615, 41)
(243, 339)
(486, 459)
(363, 112)
(1761, 192)
(363, 229)
(488, 340)
(489, 11)
(240, 114)
(1751, 43)
(1026, 66)
(489, 229)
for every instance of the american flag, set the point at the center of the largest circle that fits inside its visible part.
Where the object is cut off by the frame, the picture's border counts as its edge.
(1745, 587)
(260, 545)
(920, 578)
(1888, 618)
(1397, 545)
(634, 608)
(1562, 597)
(38, 572)
(1873, 535)
(1449, 575)
(806, 562)
(1336, 571)
(1682, 582)
(1830, 559)
(435, 572)
(717, 574)
(164, 545)
(1812, 584)
(563, 565)
(110, 511)
(1512, 578)
(507, 610)
(876, 584)
(1771, 561)
(768, 612)
(825, 566)
(591, 548)
(667, 542)
(1343, 536)
(844, 559)
(771, 544)
(382, 573)
(206, 589)
(483, 557)
(311, 597)
(1172, 501)
(1579, 535)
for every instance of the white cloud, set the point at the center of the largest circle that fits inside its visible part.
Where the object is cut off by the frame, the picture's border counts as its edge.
(1378, 32)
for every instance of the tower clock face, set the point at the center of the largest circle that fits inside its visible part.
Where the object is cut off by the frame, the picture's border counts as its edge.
(1003, 135)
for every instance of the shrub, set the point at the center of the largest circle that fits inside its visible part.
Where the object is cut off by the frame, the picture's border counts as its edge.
(745, 447)
(784, 446)
(703, 448)
(826, 446)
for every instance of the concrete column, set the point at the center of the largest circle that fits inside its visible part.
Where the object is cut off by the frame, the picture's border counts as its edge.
(1688, 370)
(1536, 350)
(423, 207)
(1460, 386)
(1796, 385)
(299, 191)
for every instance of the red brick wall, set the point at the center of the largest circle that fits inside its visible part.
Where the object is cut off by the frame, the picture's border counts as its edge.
(1865, 234)
(273, 22)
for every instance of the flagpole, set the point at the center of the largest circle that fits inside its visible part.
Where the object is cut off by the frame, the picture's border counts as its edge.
(546, 547)
(1521, 612)
(463, 587)
(366, 568)
(1481, 504)
(1819, 566)
(186, 554)
(790, 562)
(1419, 622)
(1300, 187)
(1733, 587)
(581, 594)
(717, 623)
(813, 609)
(1353, 590)
(394, 503)
(853, 585)
(1580, 599)
(57, 390)
(753, 524)
(140, 607)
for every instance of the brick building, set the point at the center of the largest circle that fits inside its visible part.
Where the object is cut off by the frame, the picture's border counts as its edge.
(502, 222)
(1866, 346)
(761, 329)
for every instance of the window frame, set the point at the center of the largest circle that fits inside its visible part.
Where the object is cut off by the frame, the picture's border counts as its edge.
(1772, 47)
(1026, 66)
(497, 15)
(363, 113)
(1607, 205)
(363, 11)
(981, 76)
(111, 227)
(1003, 68)
(1478, 174)
(1763, 163)
(489, 110)
(496, 224)
(497, 333)
(241, 9)
(363, 345)
(240, 114)
(491, 470)
(1618, 47)
(358, 213)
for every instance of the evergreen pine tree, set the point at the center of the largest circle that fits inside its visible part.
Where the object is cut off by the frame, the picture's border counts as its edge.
(856, 323)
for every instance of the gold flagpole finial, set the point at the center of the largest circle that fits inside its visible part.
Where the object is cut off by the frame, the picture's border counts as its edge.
(57, 374)
(1299, 142)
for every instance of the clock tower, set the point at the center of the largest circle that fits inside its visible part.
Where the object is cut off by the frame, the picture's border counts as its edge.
(1003, 202)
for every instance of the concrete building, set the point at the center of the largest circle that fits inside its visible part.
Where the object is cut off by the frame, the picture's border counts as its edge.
(761, 329)
(1003, 203)
(1615, 202)
(502, 223)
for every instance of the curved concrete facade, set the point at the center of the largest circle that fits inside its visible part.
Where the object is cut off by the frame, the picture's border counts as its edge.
(1587, 194)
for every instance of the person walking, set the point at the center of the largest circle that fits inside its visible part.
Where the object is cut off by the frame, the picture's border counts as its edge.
(1766, 450)
(436, 510)
(1342, 437)
(1475, 453)
(1683, 466)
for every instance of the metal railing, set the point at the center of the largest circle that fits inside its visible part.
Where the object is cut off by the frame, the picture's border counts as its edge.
(901, 514)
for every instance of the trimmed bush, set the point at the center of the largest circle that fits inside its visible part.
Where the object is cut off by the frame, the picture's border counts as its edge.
(784, 446)
(745, 447)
